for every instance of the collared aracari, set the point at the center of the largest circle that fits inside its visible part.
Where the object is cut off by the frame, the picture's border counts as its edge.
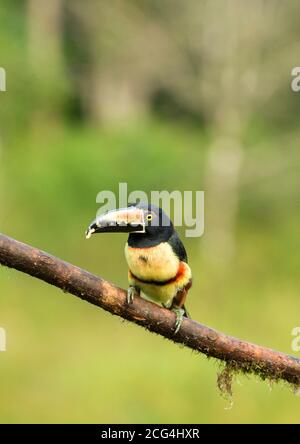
(156, 258)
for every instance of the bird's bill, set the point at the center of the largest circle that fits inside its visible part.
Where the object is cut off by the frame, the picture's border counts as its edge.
(126, 220)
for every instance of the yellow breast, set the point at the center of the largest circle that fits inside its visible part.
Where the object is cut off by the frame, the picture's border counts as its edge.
(157, 263)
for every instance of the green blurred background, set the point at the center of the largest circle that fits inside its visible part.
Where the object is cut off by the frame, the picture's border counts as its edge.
(161, 94)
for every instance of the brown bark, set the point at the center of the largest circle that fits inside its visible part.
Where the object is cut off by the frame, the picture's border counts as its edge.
(238, 354)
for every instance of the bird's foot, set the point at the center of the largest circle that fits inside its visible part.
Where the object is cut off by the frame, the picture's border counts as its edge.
(179, 312)
(131, 293)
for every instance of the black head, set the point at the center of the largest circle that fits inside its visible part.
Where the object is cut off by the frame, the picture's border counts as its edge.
(158, 227)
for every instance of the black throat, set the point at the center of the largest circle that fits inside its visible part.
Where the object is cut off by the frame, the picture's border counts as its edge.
(150, 238)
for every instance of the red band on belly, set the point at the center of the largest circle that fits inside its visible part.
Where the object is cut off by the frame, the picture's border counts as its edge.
(178, 275)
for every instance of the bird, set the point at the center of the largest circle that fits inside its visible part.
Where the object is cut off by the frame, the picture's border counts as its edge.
(157, 261)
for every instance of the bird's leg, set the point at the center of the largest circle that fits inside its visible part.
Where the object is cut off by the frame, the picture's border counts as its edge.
(132, 292)
(178, 307)
(179, 312)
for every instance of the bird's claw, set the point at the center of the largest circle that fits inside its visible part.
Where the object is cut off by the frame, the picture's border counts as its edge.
(131, 293)
(179, 312)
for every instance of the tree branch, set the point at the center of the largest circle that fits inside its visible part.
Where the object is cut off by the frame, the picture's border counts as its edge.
(237, 354)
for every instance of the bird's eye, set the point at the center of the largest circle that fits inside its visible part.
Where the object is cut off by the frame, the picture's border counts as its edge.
(149, 216)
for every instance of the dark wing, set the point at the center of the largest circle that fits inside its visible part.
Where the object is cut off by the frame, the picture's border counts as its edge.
(178, 247)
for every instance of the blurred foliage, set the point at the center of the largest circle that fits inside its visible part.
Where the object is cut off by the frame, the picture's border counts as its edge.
(143, 92)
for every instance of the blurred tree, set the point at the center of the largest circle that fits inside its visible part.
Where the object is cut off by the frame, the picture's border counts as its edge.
(242, 68)
(109, 81)
(46, 59)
